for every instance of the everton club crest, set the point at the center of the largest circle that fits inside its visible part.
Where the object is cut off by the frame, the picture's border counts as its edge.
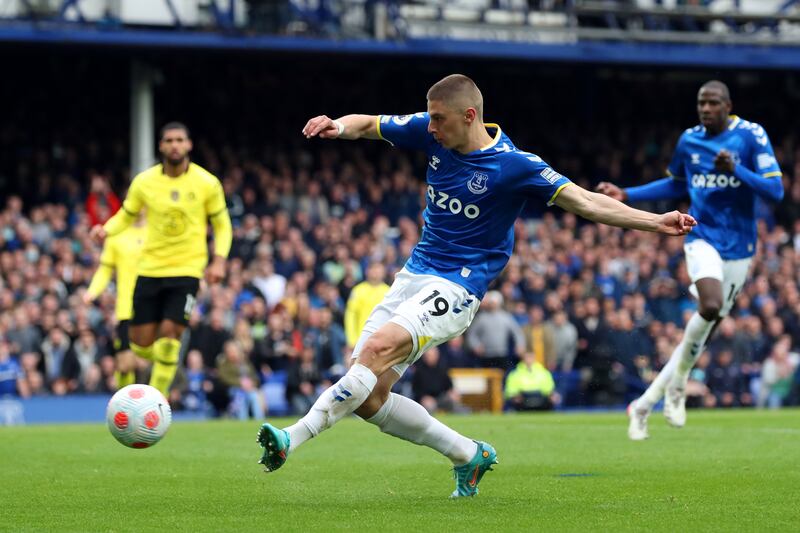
(478, 183)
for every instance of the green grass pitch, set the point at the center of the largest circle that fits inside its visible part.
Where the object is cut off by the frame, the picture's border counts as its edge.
(726, 471)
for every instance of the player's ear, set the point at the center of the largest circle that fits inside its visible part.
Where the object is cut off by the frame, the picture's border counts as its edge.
(470, 114)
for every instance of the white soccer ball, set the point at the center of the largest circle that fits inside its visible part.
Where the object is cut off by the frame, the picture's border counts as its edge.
(138, 416)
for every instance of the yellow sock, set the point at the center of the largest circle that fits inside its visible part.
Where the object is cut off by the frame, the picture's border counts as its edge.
(165, 363)
(145, 352)
(124, 378)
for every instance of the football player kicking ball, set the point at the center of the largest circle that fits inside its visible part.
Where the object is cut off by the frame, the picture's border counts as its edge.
(721, 164)
(478, 182)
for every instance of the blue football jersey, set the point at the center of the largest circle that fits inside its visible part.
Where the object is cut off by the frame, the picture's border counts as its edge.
(472, 202)
(723, 205)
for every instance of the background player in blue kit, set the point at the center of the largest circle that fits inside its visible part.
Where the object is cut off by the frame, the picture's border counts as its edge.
(478, 182)
(722, 164)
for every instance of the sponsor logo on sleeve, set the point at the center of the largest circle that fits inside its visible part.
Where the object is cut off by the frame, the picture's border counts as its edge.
(765, 161)
(550, 175)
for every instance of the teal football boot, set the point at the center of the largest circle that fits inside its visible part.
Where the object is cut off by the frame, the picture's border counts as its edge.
(275, 443)
(469, 475)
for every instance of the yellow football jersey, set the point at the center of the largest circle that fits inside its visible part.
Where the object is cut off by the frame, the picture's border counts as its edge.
(120, 254)
(363, 299)
(178, 210)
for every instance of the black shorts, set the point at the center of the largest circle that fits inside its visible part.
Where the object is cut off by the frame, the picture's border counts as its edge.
(157, 299)
(122, 341)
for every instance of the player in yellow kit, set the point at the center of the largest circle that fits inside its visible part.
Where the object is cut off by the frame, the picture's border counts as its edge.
(180, 197)
(121, 257)
(363, 299)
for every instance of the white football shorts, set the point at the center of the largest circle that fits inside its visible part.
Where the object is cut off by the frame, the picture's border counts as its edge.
(703, 261)
(432, 309)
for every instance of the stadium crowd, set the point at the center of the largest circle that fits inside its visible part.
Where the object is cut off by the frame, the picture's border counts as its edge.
(599, 308)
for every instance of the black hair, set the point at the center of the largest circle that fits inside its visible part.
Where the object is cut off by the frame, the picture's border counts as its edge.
(714, 84)
(173, 126)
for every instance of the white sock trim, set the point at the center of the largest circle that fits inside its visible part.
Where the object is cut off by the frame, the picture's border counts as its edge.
(364, 375)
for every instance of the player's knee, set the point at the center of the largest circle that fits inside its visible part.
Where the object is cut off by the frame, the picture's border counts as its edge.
(170, 330)
(377, 353)
(710, 309)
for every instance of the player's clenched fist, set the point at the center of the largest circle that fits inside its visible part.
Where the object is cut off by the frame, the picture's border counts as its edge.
(675, 223)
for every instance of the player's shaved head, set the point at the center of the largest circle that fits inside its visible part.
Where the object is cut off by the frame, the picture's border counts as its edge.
(716, 85)
(458, 92)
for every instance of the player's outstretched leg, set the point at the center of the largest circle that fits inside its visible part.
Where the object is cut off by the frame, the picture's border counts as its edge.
(338, 401)
(468, 475)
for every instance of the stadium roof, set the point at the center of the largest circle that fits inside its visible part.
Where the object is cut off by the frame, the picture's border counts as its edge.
(643, 53)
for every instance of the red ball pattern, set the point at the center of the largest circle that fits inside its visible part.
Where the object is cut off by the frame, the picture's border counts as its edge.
(121, 420)
(140, 445)
(151, 419)
(136, 393)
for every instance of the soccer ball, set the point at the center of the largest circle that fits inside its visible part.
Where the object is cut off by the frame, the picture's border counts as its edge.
(138, 416)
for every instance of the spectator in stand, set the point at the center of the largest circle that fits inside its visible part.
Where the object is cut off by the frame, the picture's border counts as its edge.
(239, 376)
(101, 202)
(303, 378)
(726, 383)
(565, 342)
(25, 337)
(431, 384)
(80, 365)
(455, 355)
(54, 351)
(271, 285)
(210, 337)
(12, 377)
(530, 386)
(197, 386)
(777, 374)
(494, 336)
(539, 337)
(282, 343)
(327, 339)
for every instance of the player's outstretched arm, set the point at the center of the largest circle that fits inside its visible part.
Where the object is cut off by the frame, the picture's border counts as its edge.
(604, 209)
(348, 127)
(664, 189)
